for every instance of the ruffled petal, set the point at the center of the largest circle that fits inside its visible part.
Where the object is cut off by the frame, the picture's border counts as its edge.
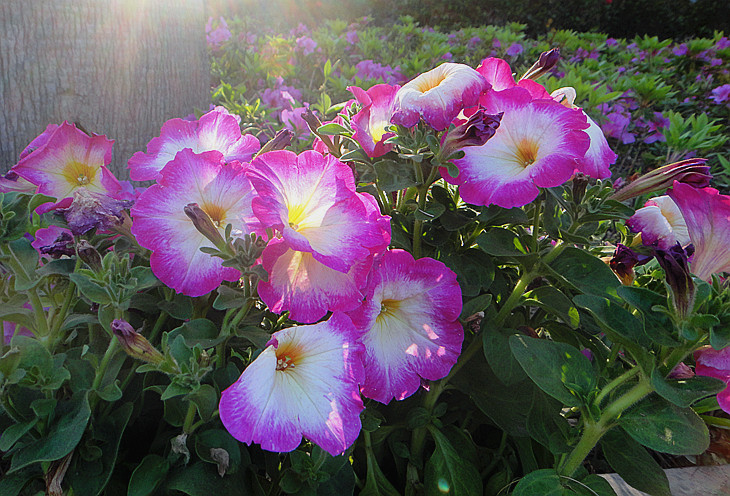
(410, 325)
(660, 223)
(305, 383)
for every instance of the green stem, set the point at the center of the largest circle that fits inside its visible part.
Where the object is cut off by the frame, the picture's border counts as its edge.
(594, 430)
(536, 223)
(716, 421)
(615, 383)
(189, 418)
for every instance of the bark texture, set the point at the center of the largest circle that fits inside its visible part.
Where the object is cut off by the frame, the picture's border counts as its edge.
(116, 67)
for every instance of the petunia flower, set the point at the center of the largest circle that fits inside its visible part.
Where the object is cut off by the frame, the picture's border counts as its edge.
(69, 160)
(374, 116)
(307, 288)
(216, 130)
(538, 143)
(438, 95)
(54, 241)
(410, 323)
(715, 363)
(707, 214)
(161, 225)
(305, 383)
(311, 200)
(499, 75)
(660, 223)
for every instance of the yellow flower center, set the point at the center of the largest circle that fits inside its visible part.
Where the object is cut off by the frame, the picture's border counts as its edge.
(388, 307)
(296, 216)
(378, 131)
(216, 213)
(78, 173)
(429, 82)
(526, 153)
(286, 357)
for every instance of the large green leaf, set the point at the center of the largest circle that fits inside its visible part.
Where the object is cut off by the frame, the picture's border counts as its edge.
(615, 319)
(553, 301)
(545, 482)
(664, 427)
(559, 369)
(659, 327)
(202, 479)
(150, 472)
(448, 472)
(376, 484)
(23, 259)
(106, 434)
(63, 436)
(197, 331)
(501, 242)
(684, 392)
(633, 463)
(585, 272)
(499, 355)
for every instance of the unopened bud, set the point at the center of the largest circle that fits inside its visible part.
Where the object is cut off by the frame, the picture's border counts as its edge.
(546, 62)
(694, 172)
(314, 124)
(474, 132)
(204, 225)
(676, 270)
(134, 344)
(89, 255)
(580, 183)
(281, 140)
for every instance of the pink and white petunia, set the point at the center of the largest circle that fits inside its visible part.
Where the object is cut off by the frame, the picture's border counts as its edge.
(660, 223)
(215, 130)
(160, 224)
(707, 215)
(374, 116)
(306, 288)
(69, 160)
(538, 144)
(410, 325)
(305, 383)
(438, 96)
(311, 200)
(498, 74)
(715, 363)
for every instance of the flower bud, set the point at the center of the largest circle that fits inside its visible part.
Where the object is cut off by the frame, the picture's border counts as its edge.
(474, 132)
(580, 183)
(546, 62)
(693, 171)
(134, 344)
(676, 270)
(204, 225)
(89, 255)
(281, 140)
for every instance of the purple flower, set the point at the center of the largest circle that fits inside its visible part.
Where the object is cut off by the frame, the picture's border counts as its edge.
(306, 44)
(611, 42)
(473, 42)
(216, 37)
(447, 56)
(617, 127)
(352, 37)
(496, 43)
(721, 94)
(292, 120)
(514, 50)
(722, 43)
(680, 50)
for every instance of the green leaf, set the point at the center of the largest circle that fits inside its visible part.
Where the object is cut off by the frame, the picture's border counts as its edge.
(616, 320)
(501, 242)
(586, 273)
(150, 472)
(221, 439)
(448, 472)
(197, 331)
(662, 426)
(559, 369)
(546, 425)
(633, 463)
(684, 392)
(475, 305)
(498, 216)
(474, 270)
(202, 479)
(12, 484)
(110, 392)
(61, 267)
(23, 261)
(180, 307)
(63, 436)
(107, 434)
(597, 486)
(553, 301)
(499, 355)
(394, 176)
(206, 401)
(332, 129)
(658, 326)
(432, 212)
(376, 484)
(174, 389)
(545, 482)
(91, 289)
(228, 298)
(12, 434)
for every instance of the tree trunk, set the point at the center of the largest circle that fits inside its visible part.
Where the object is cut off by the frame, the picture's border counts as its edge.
(116, 67)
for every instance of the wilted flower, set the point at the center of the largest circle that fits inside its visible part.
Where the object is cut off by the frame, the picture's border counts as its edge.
(54, 241)
(134, 344)
(374, 116)
(305, 383)
(693, 171)
(90, 210)
(438, 96)
(623, 262)
(217, 130)
(410, 321)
